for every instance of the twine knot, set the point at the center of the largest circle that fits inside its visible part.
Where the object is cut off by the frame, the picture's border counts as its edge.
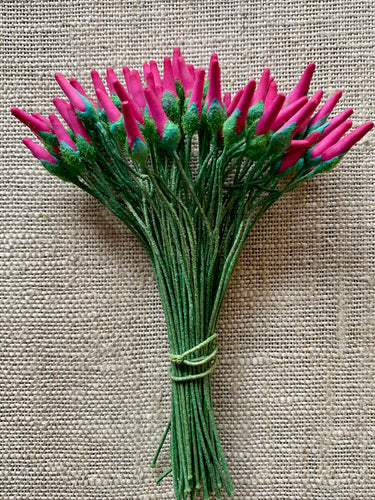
(180, 359)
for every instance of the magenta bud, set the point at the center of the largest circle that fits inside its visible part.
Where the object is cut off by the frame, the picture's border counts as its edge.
(70, 92)
(302, 115)
(168, 79)
(327, 108)
(41, 118)
(303, 85)
(126, 73)
(287, 112)
(155, 72)
(38, 151)
(150, 81)
(60, 132)
(66, 110)
(98, 83)
(156, 111)
(124, 96)
(294, 154)
(131, 126)
(191, 70)
(269, 115)
(236, 99)
(34, 124)
(316, 98)
(197, 92)
(186, 79)
(136, 89)
(175, 66)
(336, 121)
(110, 108)
(243, 105)
(262, 88)
(212, 59)
(271, 94)
(214, 87)
(77, 86)
(110, 79)
(227, 99)
(347, 142)
(330, 139)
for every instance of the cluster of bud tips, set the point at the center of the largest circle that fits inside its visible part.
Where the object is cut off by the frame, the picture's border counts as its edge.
(291, 129)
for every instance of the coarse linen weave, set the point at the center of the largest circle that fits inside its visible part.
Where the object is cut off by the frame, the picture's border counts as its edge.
(84, 393)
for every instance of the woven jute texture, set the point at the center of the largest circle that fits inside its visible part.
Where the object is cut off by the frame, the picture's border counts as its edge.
(83, 347)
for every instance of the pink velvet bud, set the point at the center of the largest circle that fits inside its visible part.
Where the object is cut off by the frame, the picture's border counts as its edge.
(227, 99)
(287, 112)
(60, 132)
(294, 155)
(269, 115)
(191, 71)
(155, 72)
(303, 85)
(150, 82)
(331, 138)
(110, 109)
(326, 109)
(110, 79)
(66, 110)
(41, 118)
(271, 94)
(212, 59)
(175, 66)
(303, 114)
(131, 126)
(97, 82)
(197, 92)
(186, 78)
(347, 142)
(126, 72)
(136, 89)
(236, 99)
(146, 70)
(124, 96)
(168, 78)
(77, 86)
(156, 111)
(336, 121)
(316, 98)
(262, 88)
(38, 151)
(34, 124)
(70, 92)
(244, 105)
(214, 87)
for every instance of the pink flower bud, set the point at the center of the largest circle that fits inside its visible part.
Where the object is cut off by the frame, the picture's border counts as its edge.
(124, 96)
(331, 138)
(41, 118)
(287, 112)
(236, 99)
(303, 114)
(66, 110)
(294, 154)
(336, 121)
(303, 85)
(155, 71)
(347, 142)
(227, 99)
(326, 109)
(60, 132)
(38, 151)
(136, 89)
(70, 92)
(34, 124)
(168, 78)
(262, 89)
(77, 86)
(244, 105)
(175, 66)
(214, 87)
(316, 98)
(156, 111)
(126, 72)
(131, 126)
(265, 122)
(197, 92)
(98, 84)
(110, 78)
(186, 78)
(212, 59)
(271, 94)
(110, 109)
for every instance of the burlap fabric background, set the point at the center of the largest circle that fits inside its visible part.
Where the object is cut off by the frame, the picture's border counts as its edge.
(84, 389)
